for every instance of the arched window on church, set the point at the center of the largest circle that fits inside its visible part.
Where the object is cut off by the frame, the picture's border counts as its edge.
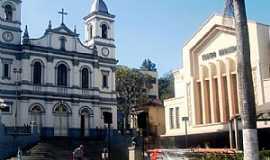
(62, 75)
(61, 109)
(104, 29)
(85, 78)
(36, 109)
(8, 12)
(37, 73)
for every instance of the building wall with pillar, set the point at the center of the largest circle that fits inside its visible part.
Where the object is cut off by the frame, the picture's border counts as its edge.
(58, 81)
(209, 93)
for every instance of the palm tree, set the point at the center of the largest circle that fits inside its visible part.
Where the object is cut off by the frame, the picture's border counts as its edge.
(245, 82)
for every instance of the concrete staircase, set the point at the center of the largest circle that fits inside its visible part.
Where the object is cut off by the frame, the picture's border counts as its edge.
(62, 148)
(42, 151)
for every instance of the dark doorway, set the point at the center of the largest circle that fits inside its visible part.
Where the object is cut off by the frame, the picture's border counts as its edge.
(82, 125)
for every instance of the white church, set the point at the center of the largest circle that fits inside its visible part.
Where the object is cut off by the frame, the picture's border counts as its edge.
(58, 81)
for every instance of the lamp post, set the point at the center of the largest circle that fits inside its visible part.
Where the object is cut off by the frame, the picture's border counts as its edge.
(133, 117)
(17, 72)
(186, 119)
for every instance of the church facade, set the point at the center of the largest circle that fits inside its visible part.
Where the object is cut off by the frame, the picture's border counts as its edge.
(206, 104)
(61, 83)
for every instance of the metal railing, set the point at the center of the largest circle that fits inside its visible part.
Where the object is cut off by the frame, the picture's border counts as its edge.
(62, 90)
(37, 88)
(26, 130)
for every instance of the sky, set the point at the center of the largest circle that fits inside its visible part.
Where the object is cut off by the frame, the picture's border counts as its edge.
(154, 29)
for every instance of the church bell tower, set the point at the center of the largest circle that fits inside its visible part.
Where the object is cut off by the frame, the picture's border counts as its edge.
(99, 29)
(10, 17)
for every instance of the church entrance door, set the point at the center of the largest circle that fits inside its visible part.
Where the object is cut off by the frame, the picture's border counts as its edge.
(87, 116)
(37, 119)
(61, 120)
(36, 112)
(82, 125)
(61, 126)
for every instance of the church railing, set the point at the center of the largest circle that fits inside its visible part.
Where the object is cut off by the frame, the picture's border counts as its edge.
(62, 90)
(86, 92)
(26, 130)
(37, 88)
(40, 89)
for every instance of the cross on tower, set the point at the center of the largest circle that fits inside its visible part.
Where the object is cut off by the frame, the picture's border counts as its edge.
(63, 13)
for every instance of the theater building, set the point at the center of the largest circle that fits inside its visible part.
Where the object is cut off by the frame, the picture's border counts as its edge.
(206, 87)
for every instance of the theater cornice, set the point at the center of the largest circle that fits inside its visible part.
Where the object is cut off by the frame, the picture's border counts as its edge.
(204, 40)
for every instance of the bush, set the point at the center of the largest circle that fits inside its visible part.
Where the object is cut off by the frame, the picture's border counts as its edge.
(222, 157)
(264, 155)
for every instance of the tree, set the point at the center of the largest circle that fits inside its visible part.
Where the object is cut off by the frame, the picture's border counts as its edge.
(166, 86)
(131, 88)
(148, 65)
(245, 82)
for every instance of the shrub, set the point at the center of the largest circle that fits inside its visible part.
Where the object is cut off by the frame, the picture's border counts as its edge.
(264, 155)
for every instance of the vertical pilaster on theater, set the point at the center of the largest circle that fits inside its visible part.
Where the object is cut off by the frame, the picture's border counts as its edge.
(229, 87)
(221, 94)
(204, 94)
(213, 101)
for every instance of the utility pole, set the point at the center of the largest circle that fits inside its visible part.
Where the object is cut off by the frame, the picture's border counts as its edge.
(186, 119)
(245, 83)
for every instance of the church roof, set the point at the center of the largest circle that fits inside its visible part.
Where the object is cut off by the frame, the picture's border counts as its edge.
(99, 6)
(63, 29)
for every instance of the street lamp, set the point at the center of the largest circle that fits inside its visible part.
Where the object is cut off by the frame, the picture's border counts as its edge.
(105, 154)
(186, 119)
(133, 117)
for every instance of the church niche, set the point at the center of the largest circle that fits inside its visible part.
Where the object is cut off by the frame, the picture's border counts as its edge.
(104, 29)
(8, 12)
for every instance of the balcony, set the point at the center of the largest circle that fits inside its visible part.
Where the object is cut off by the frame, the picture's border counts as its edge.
(16, 131)
(55, 90)
(86, 92)
(37, 88)
(62, 90)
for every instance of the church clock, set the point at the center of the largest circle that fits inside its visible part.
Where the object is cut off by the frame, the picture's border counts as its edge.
(7, 36)
(105, 52)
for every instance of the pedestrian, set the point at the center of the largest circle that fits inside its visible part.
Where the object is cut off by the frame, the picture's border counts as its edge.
(78, 153)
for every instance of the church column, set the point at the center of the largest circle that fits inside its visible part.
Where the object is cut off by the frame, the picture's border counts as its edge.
(50, 72)
(113, 79)
(26, 74)
(212, 95)
(221, 92)
(76, 76)
(96, 75)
